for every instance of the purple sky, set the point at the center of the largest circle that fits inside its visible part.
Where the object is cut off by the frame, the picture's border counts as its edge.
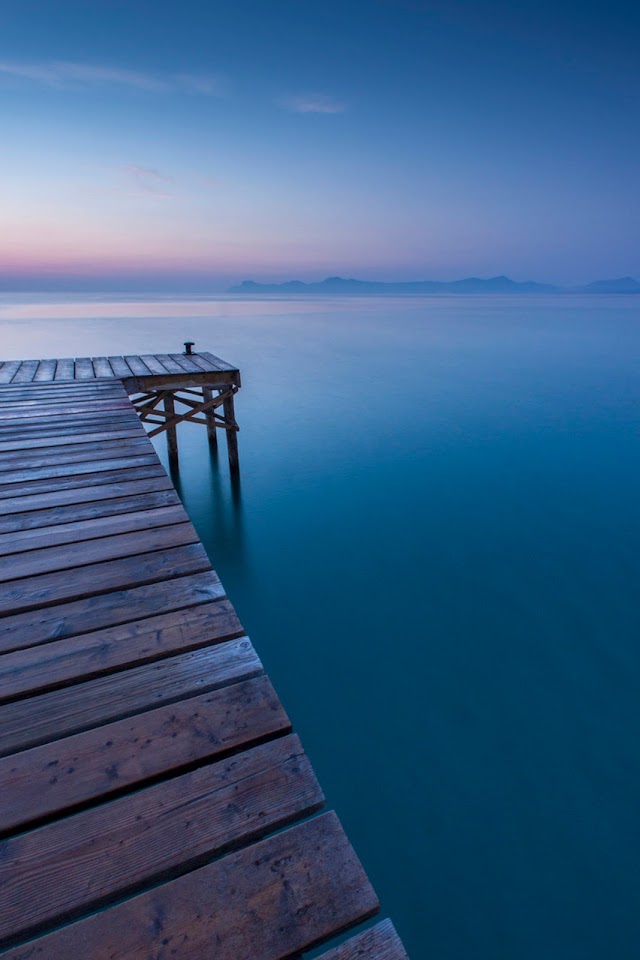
(190, 146)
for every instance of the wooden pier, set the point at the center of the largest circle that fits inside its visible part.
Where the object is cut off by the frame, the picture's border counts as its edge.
(155, 801)
(201, 385)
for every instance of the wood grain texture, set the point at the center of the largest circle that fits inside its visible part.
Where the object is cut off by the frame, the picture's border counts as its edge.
(36, 669)
(69, 556)
(119, 606)
(267, 902)
(93, 509)
(152, 468)
(74, 453)
(66, 868)
(77, 531)
(8, 370)
(33, 593)
(34, 392)
(65, 369)
(102, 367)
(380, 942)
(95, 492)
(25, 372)
(93, 435)
(24, 474)
(46, 371)
(92, 765)
(51, 716)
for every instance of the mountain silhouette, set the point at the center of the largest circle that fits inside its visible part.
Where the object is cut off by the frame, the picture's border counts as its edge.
(471, 285)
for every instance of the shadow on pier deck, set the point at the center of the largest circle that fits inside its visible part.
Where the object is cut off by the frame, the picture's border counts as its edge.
(148, 768)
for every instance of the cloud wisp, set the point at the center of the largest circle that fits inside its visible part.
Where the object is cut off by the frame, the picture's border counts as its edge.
(66, 75)
(147, 180)
(314, 103)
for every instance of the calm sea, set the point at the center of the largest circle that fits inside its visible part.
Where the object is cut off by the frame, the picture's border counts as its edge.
(435, 549)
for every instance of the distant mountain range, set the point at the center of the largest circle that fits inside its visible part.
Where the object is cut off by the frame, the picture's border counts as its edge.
(338, 285)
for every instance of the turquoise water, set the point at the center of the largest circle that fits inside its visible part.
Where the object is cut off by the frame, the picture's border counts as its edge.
(435, 550)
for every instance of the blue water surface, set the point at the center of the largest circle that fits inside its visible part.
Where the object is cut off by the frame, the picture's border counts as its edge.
(434, 548)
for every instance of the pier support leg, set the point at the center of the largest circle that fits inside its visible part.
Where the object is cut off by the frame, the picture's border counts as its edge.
(232, 435)
(212, 433)
(172, 433)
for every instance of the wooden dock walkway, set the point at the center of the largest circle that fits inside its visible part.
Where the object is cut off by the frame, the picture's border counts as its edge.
(203, 385)
(147, 767)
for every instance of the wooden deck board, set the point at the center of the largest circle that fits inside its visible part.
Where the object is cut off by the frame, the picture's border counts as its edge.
(78, 468)
(268, 901)
(87, 369)
(79, 769)
(380, 942)
(74, 453)
(139, 737)
(21, 630)
(96, 854)
(50, 716)
(49, 559)
(55, 535)
(30, 670)
(47, 589)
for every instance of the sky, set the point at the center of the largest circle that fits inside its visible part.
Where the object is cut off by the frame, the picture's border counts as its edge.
(189, 145)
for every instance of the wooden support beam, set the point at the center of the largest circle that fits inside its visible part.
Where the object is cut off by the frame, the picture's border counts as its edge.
(232, 435)
(207, 394)
(158, 410)
(172, 433)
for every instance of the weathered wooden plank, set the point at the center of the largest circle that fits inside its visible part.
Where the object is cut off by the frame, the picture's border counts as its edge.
(23, 630)
(102, 367)
(68, 513)
(86, 434)
(65, 369)
(14, 490)
(153, 364)
(84, 368)
(74, 453)
(70, 411)
(46, 371)
(58, 388)
(137, 366)
(214, 363)
(170, 365)
(75, 532)
(60, 713)
(66, 868)
(87, 422)
(36, 669)
(56, 498)
(47, 560)
(79, 468)
(61, 390)
(8, 370)
(120, 367)
(25, 372)
(26, 395)
(52, 386)
(377, 943)
(30, 593)
(269, 901)
(186, 363)
(59, 776)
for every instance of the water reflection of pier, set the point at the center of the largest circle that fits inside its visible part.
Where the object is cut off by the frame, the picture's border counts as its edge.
(155, 799)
